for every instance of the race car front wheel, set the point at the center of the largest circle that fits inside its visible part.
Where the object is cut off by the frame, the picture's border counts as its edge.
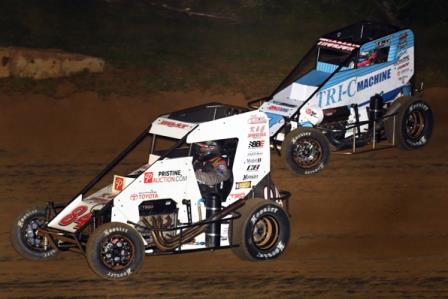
(115, 251)
(305, 151)
(413, 123)
(25, 237)
(262, 232)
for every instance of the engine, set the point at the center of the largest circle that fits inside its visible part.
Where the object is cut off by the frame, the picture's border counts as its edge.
(159, 214)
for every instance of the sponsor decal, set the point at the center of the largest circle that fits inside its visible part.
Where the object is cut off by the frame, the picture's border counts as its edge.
(403, 40)
(118, 184)
(284, 104)
(403, 72)
(237, 195)
(335, 44)
(278, 249)
(253, 167)
(266, 209)
(335, 94)
(173, 124)
(418, 105)
(148, 177)
(257, 132)
(402, 59)
(315, 170)
(403, 65)
(250, 177)
(373, 80)
(243, 185)
(169, 172)
(254, 154)
(253, 160)
(383, 43)
(277, 108)
(256, 144)
(24, 217)
(144, 195)
(256, 120)
(112, 230)
(167, 176)
(310, 112)
(124, 273)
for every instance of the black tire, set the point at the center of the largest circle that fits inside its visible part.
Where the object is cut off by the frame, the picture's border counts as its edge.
(413, 124)
(305, 151)
(115, 251)
(262, 232)
(24, 237)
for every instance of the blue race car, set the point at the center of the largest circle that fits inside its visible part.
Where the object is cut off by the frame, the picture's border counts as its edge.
(355, 86)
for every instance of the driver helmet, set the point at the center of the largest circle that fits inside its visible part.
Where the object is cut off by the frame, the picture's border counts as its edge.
(207, 148)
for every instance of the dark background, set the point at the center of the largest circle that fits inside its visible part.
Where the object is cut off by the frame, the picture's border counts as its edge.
(239, 45)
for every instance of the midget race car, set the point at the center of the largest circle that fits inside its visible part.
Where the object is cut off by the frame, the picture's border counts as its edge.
(161, 208)
(354, 87)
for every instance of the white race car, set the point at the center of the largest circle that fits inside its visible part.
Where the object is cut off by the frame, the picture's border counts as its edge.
(161, 208)
(355, 86)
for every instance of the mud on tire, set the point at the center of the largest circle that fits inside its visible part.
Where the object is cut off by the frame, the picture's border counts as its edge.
(262, 232)
(413, 124)
(25, 239)
(115, 251)
(305, 151)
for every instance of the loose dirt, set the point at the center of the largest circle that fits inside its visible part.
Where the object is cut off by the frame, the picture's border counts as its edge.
(368, 226)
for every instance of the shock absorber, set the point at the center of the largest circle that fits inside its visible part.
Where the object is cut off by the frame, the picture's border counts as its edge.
(213, 233)
(375, 114)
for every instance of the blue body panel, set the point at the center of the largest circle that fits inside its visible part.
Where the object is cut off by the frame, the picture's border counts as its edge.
(313, 78)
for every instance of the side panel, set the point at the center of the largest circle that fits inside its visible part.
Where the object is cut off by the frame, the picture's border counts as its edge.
(252, 158)
(78, 212)
(387, 78)
(169, 178)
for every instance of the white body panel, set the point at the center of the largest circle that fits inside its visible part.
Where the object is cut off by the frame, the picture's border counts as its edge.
(295, 94)
(81, 208)
(252, 158)
(169, 178)
(170, 128)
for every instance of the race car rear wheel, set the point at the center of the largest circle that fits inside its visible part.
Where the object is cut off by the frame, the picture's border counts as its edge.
(26, 239)
(115, 251)
(413, 123)
(262, 232)
(305, 151)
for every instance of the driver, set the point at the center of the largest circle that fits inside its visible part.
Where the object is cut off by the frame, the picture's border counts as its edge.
(367, 58)
(210, 167)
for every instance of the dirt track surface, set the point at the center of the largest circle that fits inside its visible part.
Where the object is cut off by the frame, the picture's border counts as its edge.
(369, 226)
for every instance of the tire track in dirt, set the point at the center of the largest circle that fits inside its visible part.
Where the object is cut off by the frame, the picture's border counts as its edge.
(368, 226)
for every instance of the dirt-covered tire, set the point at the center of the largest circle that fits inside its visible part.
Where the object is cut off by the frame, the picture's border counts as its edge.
(262, 232)
(25, 239)
(305, 151)
(413, 123)
(115, 251)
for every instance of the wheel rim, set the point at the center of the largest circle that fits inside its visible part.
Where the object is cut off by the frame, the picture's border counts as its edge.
(32, 239)
(265, 233)
(415, 124)
(307, 153)
(117, 252)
